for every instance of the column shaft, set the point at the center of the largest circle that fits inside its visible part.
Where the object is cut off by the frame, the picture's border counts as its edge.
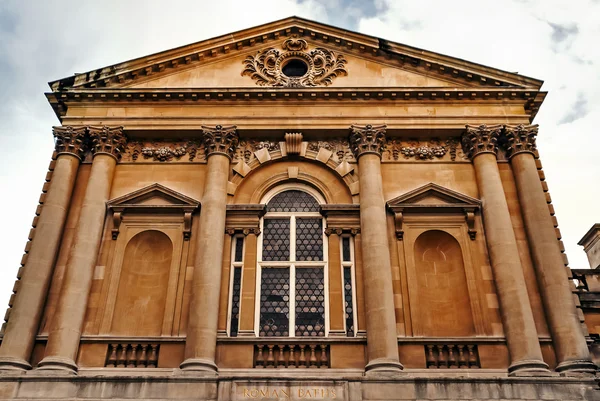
(201, 342)
(517, 316)
(382, 342)
(26, 313)
(569, 343)
(65, 329)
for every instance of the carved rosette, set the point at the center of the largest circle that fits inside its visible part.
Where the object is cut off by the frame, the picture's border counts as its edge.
(481, 139)
(70, 140)
(322, 65)
(108, 140)
(219, 139)
(521, 138)
(367, 139)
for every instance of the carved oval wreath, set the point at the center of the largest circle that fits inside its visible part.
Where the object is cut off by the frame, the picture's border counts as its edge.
(322, 66)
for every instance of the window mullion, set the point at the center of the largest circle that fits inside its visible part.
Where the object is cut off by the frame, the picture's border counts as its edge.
(292, 300)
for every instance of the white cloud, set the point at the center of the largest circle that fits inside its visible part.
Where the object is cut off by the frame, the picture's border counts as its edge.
(55, 39)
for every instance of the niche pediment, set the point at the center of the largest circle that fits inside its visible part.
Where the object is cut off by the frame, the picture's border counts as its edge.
(154, 198)
(433, 198)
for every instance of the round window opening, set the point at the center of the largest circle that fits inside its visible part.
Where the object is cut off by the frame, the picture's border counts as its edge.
(295, 68)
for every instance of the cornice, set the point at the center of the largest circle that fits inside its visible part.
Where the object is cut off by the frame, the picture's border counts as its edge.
(530, 99)
(403, 56)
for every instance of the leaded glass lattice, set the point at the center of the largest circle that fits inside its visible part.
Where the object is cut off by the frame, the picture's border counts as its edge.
(348, 304)
(309, 239)
(346, 249)
(274, 302)
(239, 248)
(235, 302)
(276, 239)
(310, 302)
(293, 201)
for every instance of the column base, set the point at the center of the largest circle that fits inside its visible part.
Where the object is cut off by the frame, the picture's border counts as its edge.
(577, 368)
(529, 367)
(383, 366)
(57, 365)
(10, 363)
(199, 366)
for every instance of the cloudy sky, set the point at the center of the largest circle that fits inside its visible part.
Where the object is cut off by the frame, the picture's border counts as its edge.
(553, 40)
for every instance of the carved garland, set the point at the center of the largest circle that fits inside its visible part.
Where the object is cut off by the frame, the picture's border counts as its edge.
(322, 65)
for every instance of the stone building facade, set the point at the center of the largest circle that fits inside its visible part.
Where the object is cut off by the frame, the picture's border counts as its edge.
(295, 211)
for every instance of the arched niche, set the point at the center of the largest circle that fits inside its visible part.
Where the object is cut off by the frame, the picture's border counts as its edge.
(444, 303)
(261, 180)
(142, 291)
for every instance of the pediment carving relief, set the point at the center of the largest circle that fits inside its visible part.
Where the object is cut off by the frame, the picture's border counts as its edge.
(433, 198)
(295, 66)
(154, 198)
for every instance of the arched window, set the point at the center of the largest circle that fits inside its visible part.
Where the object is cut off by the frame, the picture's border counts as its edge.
(292, 259)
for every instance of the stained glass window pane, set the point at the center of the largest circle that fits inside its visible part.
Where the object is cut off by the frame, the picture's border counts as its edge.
(348, 305)
(309, 239)
(310, 302)
(274, 302)
(293, 201)
(346, 249)
(276, 239)
(239, 248)
(235, 302)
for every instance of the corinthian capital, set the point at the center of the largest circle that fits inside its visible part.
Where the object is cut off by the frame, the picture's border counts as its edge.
(367, 139)
(69, 140)
(481, 139)
(108, 140)
(521, 138)
(219, 139)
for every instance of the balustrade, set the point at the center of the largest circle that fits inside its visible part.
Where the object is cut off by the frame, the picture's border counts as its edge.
(132, 355)
(452, 356)
(291, 356)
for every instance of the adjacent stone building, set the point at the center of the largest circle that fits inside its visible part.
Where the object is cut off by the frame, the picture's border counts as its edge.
(295, 211)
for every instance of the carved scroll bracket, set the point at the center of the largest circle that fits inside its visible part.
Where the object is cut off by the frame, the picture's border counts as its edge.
(341, 219)
(244, 219)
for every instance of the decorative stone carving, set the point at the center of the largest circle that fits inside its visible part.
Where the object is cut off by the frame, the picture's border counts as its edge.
(481, 139)
(322, 65)
(293, 143)
(108, 140)
(70, 140)
(246, 148)
(429, 149)
(219, 139)
(520, 138)
(367, 139)
(162, 151)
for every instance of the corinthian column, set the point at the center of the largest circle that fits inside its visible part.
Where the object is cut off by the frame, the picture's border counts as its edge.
(65, 330)
(382, 344)
(201, 343)
(26, 312)
(517, 317)
(569, 343)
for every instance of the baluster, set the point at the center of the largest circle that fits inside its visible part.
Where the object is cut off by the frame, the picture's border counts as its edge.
(431, 360)
(260, 361)
(282, 362)
(451, 357)
(442, 362)
(112, 359)
(324, 360)
(302, 361)
(153, 359)
(313, 356)
(132, 356)
(472, 357)
(143, 359)
(462, 360)
(270, 358)
(292, 358)
(122, 356)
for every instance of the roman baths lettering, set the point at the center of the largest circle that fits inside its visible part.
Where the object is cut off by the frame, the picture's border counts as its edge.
(296, 211)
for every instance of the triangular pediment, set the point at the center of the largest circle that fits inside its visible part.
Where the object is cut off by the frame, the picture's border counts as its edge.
(153, 196)
(370, 62)
(433, 196)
